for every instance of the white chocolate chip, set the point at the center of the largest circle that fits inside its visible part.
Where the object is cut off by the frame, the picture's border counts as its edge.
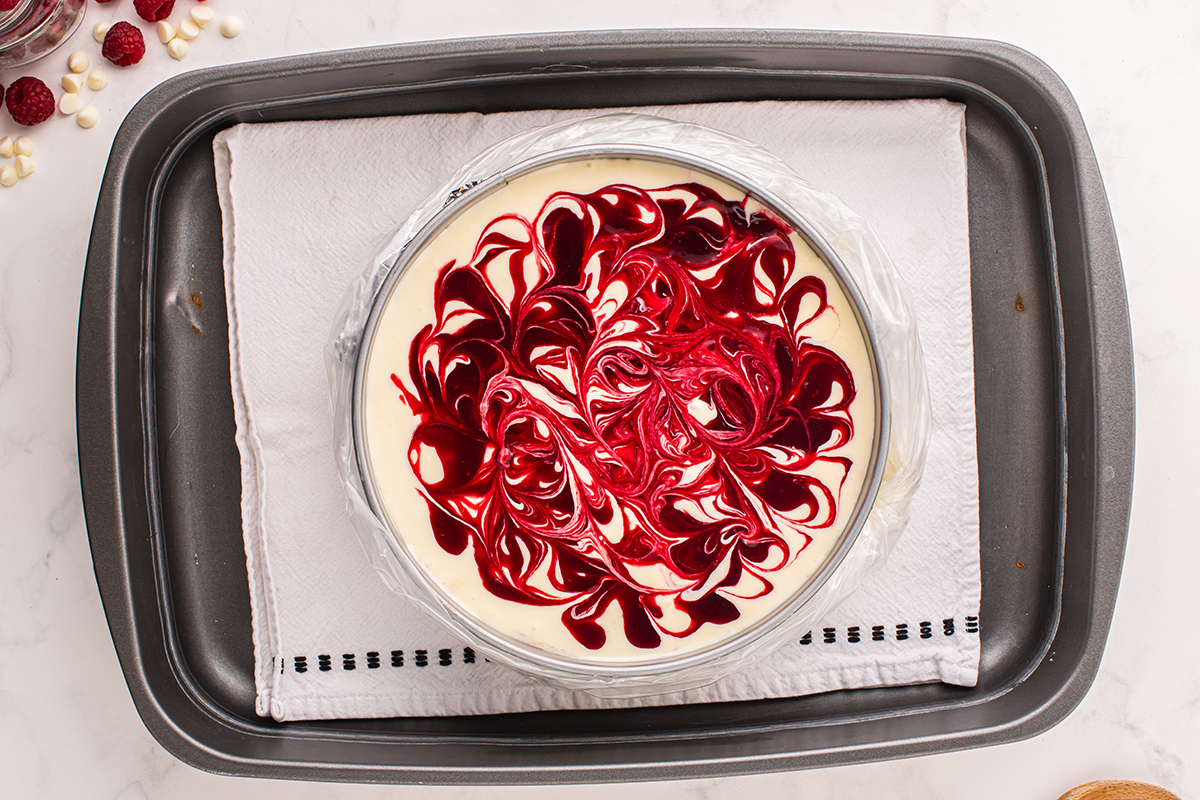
(177, 48)
(166, 31)
(99, 31)
(8, 175)
(69, 103)
(79, 61)
(6, 147)
(23, 146)
(202, 15)
(72, 83)
(231, 27)
(188, 29)
(97, 80)
(25, 166)
(87, 117)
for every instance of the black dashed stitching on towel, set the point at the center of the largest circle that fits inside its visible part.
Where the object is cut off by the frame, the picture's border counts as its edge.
(445, 655)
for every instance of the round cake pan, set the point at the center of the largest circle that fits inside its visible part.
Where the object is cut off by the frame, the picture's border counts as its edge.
(520, 651)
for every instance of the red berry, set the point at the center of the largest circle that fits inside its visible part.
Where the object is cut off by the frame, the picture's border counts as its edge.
(153, 10)
(8, 5)
(123, 45)
(29, 101)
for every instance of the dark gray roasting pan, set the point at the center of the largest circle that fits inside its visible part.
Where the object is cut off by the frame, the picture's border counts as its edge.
(1054, 393)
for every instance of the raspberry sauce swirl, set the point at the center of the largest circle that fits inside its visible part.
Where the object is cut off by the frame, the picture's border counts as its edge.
(619, 406)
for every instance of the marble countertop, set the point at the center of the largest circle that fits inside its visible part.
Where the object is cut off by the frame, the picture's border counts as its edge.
(67, 725)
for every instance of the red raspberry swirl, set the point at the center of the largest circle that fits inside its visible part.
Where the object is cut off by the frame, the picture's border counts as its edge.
(624, 387)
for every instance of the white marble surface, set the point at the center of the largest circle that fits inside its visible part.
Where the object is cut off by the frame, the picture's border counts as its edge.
(67, 724)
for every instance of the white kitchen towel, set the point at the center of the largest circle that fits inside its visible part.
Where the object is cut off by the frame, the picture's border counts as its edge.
(306, 204)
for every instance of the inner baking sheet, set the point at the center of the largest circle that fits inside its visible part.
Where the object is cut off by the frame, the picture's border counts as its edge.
(160, 467)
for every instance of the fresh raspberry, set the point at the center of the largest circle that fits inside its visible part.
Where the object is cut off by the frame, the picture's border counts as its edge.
(29, 101)
(153, 10)
(123, 44)
(8, 5)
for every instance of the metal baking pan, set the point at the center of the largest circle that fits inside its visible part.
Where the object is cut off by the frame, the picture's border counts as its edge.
(1054, 397)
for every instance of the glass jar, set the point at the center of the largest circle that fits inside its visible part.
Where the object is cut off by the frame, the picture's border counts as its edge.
(34, 28)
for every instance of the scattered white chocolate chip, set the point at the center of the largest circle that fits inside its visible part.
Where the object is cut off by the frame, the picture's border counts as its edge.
(6, 147)
(8, 175)
(166, 31)
(99, 30)
(87, 117)
(79, 61)
(177, 48)
(25, 166)
(97, 80)
(188, 29)
(72, 83)
(231, 27)
(23, 146)
(202, 15)
(69, 103)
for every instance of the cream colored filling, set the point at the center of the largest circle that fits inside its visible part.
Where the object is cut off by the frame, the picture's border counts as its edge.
(388, 425)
